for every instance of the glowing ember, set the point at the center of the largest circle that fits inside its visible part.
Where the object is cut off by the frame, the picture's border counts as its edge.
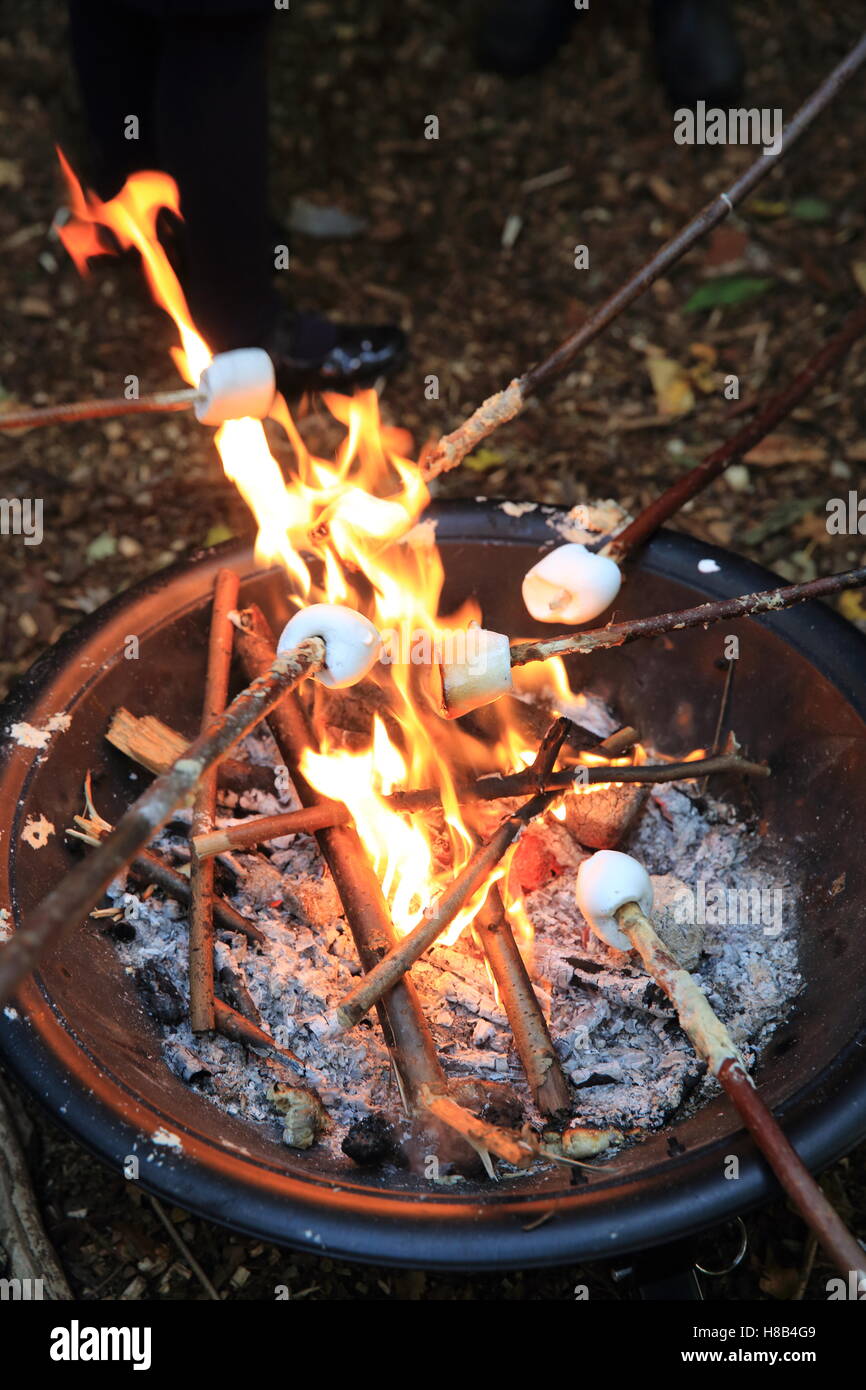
(353, 519)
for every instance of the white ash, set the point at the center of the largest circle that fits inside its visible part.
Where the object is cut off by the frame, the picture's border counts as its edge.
(620, 1045)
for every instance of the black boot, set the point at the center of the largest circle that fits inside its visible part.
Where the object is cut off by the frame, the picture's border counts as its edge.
(312, 354)
(520, 36)
(697, 53)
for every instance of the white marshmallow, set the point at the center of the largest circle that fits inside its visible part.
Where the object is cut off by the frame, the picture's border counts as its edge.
(236, 385)
(482, 677)
(352, 643)
(571, 585)
(606, 882)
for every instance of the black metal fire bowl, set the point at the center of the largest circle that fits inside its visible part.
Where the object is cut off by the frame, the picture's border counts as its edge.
(81, 1041)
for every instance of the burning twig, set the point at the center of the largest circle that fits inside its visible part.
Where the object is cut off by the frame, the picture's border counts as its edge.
(67, 904)
(505, 405)
(256, 830)
(406, 1033)
(614, 893)
(715, 463)
(201, 916)
(469, 882)
(618, 634)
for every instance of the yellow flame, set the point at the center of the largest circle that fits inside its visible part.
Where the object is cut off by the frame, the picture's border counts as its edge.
(342, 530)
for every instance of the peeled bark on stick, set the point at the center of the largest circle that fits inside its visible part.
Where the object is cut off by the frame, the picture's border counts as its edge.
(201, 916)
(403, 1025)
(505, 405)
(79, 891)
(712, 1041)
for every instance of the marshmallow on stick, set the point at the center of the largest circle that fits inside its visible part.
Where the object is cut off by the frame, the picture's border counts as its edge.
(352, 643)
(483, 672)
(571, 585)
(614, 893)
(236, 385)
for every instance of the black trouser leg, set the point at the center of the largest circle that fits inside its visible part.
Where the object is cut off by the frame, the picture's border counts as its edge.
(115, 52)
(212, 124)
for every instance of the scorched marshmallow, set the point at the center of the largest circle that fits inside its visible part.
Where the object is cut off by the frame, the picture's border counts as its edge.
(481, 676)
(571, 585)
(236, 385)
(605, 883)
(352, 643)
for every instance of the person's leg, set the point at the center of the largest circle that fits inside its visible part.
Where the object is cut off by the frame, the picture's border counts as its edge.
(115, 51)
(696, 50)
(212, 115)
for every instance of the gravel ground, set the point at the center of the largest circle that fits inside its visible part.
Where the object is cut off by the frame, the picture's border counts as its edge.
(352, 85)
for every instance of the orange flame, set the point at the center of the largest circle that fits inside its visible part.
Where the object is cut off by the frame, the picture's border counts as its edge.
(354, 517)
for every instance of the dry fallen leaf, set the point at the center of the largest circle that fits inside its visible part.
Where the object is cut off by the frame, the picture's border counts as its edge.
(671, 385)
(785, 448)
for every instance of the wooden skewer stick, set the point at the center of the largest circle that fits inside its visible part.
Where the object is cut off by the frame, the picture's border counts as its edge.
(258, 829)
(776, 410)
(201, 916)
(80, 890)
(158, 401)
(618, 634)
(403, 1024)
(505, 405)
(713, 1042)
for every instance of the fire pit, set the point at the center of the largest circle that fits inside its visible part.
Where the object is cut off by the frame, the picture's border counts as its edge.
(81, 1039)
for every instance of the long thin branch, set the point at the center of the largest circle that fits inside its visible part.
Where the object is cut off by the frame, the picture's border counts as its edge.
(158, 402)
(80, 890)
(201, 916)
(776, 410)
(256, 830)
(618, 634)
(505, 405)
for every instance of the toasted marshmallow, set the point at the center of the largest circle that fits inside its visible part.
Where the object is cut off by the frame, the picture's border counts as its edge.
(352, 643)
(605, 883)
(235, 385)
(482, 677)
(571, 585)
